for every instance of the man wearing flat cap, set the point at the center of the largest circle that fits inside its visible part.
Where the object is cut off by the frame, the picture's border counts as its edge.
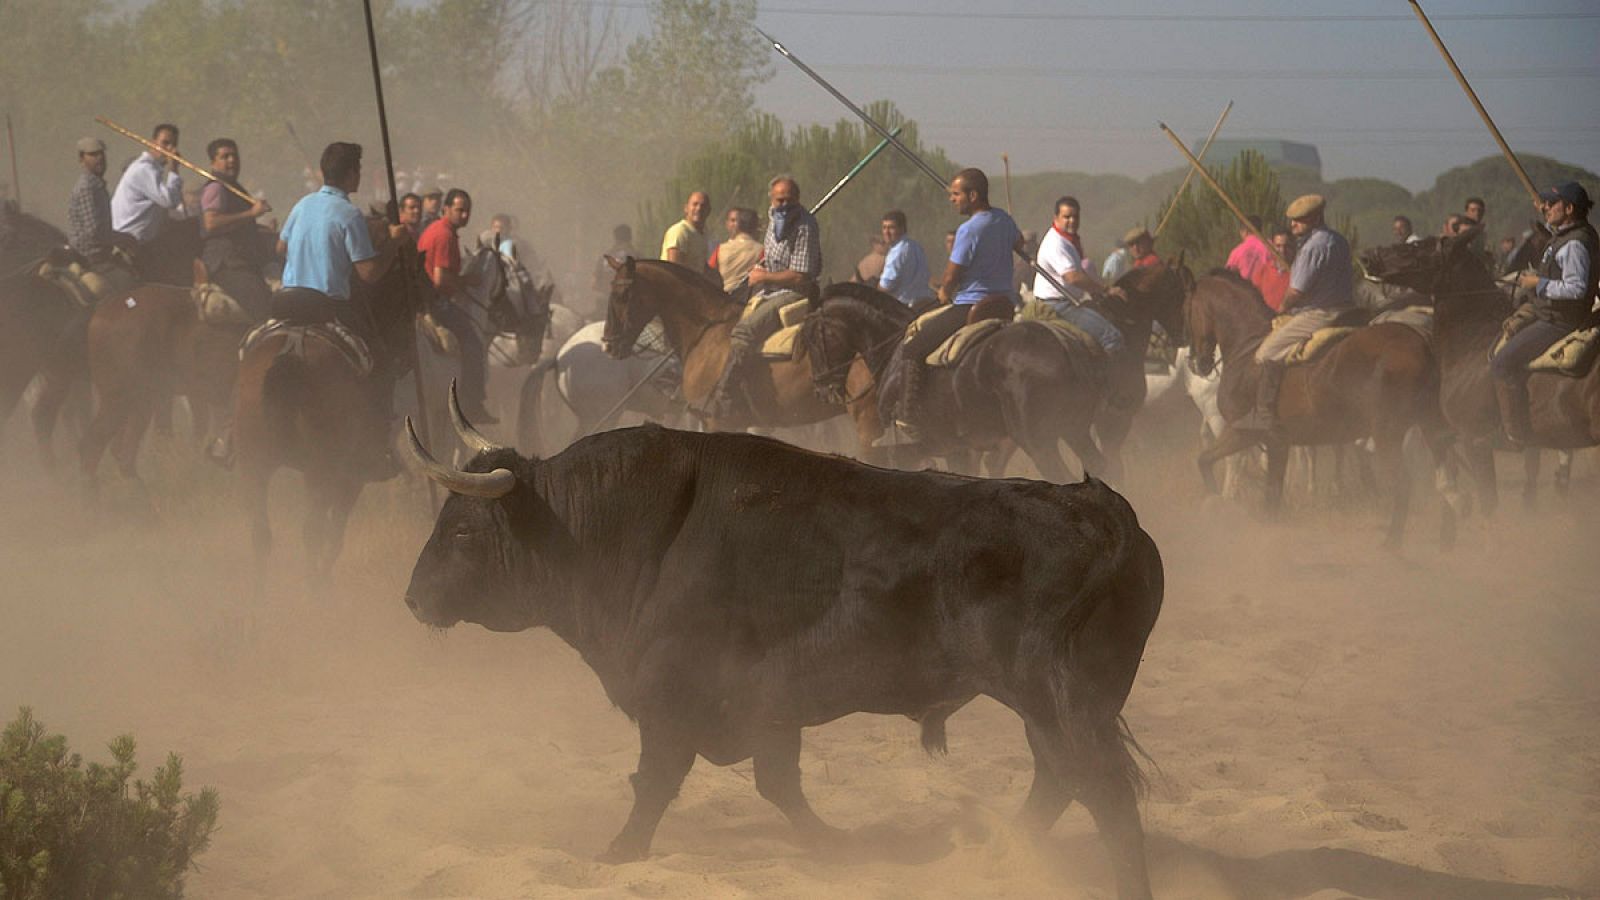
(89, 207)
(1563, 296)
(1320, 288)
(1141, 248)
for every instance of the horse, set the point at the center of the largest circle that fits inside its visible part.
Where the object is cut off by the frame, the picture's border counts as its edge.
(591, 384)
(1378, 382)
(144, 349)
(41, 325)
(311, 409)
(1023, 387)
(698, 317)
(1469, 309)
(507, 311)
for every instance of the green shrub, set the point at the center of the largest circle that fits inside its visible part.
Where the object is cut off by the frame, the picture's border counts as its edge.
(68, 830)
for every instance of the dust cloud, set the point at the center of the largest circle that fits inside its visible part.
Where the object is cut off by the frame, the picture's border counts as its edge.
(1430, 719)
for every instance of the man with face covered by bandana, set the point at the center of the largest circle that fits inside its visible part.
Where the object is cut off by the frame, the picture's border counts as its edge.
(788, 271)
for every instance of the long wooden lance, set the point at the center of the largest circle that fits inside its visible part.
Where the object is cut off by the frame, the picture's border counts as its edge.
(16, 182)
(852, 173)
(1005, 161)
(1243, 219)
(394, 219)
(1516, 164)
(919, 162)
(1167, 216)
(234, 189)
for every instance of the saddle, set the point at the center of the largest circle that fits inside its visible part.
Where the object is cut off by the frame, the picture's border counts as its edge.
(1572, 356)
(780, 345)
(1322, 340)
(955, 348)
(87, 286)
(332, 334)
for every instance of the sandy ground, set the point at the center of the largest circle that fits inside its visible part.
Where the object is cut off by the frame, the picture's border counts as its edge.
(1328, 722)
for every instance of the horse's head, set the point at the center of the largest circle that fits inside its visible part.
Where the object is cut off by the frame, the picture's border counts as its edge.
(1200, 324)
(627, 311)
(1416, 265)
(1159, 291)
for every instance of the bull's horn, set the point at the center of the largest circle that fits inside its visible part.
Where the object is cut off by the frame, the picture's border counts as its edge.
(489, 485)
(470, 436)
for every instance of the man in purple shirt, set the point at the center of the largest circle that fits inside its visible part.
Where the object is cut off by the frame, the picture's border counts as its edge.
(232, 246)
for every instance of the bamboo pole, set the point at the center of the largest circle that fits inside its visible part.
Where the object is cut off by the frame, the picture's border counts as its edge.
(16, 180)
(1243, 219)
(1516, 164)
(1005, 160)
(1166, 216)
(237, 191)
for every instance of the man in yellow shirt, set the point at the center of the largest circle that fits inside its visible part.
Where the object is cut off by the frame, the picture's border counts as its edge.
(685, 243)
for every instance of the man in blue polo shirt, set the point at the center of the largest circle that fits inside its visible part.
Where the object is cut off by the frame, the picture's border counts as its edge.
(979, 268)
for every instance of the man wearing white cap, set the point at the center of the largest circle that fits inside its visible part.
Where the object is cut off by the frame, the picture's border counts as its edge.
(1320, 288)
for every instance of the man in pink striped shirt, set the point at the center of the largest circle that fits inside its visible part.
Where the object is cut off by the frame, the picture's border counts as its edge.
(1251, 253)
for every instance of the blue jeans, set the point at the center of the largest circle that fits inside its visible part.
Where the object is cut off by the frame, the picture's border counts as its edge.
(1510, 365)
(1098, 326)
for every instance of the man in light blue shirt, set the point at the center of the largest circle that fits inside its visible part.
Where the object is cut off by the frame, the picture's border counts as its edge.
(326, 237)
(905, 267)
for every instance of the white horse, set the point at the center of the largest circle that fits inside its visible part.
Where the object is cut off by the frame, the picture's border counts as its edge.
(584, 383)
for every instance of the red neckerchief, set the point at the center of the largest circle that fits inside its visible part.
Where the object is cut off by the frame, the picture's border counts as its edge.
(1071, 238)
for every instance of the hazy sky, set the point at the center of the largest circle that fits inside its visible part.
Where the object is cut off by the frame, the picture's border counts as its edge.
(1081, 85)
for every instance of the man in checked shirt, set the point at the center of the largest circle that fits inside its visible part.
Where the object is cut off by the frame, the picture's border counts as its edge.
(791, 263)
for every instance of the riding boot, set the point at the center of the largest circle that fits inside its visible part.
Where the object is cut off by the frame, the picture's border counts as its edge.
(720, 403)
(908, 411)
(1514, 411)
(1264, 417)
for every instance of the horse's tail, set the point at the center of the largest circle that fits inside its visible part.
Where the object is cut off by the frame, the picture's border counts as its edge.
(285, 389)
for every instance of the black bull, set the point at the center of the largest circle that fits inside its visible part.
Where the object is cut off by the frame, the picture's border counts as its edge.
(730, 590)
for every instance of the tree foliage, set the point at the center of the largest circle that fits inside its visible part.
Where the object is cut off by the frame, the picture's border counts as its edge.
(68, 830)
(1203, 228)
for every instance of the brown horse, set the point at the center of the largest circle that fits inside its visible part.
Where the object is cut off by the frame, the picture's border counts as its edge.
(1468, 311)
(1379, 382)
(697, 318)
(310, 409)
(144, 349)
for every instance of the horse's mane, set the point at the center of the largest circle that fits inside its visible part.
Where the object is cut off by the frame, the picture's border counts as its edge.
(25, 238)
(877, 300)
(683, 274)
(1223, 273)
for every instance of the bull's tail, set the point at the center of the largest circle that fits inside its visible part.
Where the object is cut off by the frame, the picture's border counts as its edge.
(1105, 629)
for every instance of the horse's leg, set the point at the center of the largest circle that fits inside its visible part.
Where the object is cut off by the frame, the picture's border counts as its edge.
(1227, 444)
(1479, 455)
(996, 461)
(1563, 476)
(1277, 468)
(256, 480)
(199, 421)
(1112, 430)
(53, 394)
(1530, 482)
(1391, 463)
(863, 410)
(125, 446)
(342, 497)
(109, 417)
(1453, 503)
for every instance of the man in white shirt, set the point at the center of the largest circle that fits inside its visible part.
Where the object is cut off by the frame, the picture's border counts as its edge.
(148, 206)
(1061, 254)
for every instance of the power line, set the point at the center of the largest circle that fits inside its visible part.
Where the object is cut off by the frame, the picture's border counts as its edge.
(1142, 18)
(1187, 74)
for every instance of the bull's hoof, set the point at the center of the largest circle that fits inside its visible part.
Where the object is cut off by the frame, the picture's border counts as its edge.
(622, 851)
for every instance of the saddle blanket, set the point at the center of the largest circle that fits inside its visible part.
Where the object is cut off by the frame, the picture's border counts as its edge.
(341, 339)
(1572, 356)
(1417, 318)
(781, 344)
(88, 286)
(950, 353)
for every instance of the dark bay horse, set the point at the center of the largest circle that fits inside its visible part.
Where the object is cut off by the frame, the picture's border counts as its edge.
(312, 410)
(41, 326)
(1024, 388)
(1469, 309)
(697, 318)
(1379, 382)
(144, 349)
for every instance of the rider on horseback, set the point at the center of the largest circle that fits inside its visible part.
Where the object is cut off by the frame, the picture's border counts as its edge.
(1061, 254)
(1563, 291)
(440, 246)
(232, 246)
(788, 272)
(323, 241)
(979, 268)
(1320, 288)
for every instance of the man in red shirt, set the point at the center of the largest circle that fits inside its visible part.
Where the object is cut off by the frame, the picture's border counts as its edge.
(440, 247)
